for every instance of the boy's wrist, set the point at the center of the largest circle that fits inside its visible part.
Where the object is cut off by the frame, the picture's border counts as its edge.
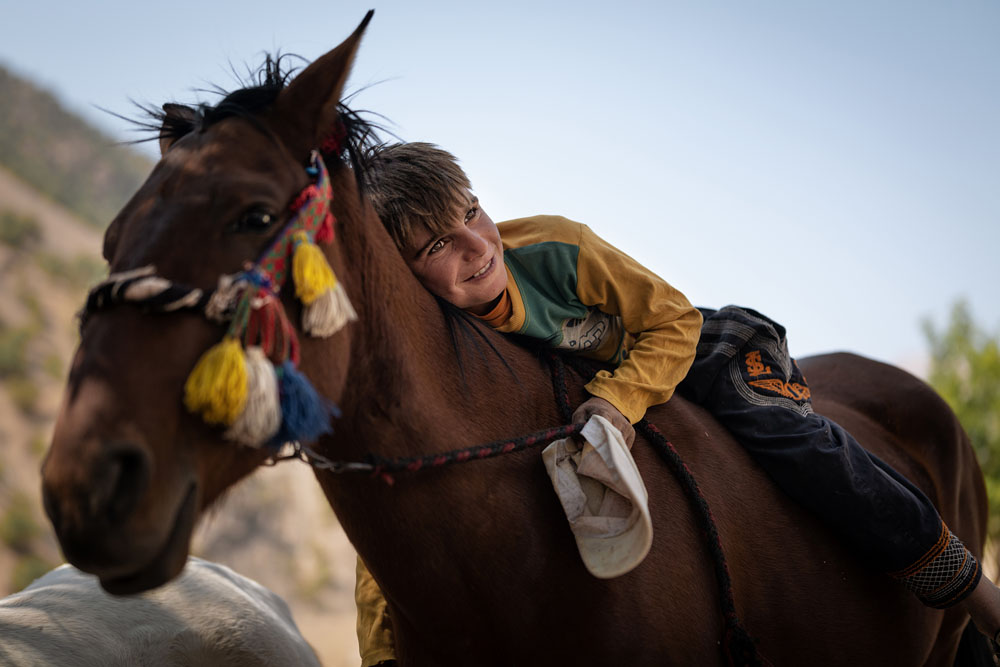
(599, 406)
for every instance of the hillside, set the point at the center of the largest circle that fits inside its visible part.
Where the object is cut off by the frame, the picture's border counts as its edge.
(275, 528)
(63, 157)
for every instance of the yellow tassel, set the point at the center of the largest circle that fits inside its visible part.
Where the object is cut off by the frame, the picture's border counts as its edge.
(217, 387)
(310, 270)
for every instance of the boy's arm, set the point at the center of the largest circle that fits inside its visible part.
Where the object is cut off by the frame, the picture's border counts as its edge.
(665, 325)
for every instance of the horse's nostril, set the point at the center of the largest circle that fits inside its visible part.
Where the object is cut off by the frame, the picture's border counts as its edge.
(124, 483)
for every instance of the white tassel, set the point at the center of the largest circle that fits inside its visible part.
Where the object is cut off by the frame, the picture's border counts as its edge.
(328, 313)
(222, 303)
(261, 418)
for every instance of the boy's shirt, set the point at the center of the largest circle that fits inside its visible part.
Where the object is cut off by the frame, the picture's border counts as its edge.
(575, 291)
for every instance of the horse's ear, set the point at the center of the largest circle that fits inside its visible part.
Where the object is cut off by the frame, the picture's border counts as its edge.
(306, 110)
(178, 120)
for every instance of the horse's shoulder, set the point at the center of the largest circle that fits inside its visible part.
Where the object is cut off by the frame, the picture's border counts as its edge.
(700, 443)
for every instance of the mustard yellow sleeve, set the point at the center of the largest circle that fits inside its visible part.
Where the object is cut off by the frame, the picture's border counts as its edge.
(375, 640)
(665, 325)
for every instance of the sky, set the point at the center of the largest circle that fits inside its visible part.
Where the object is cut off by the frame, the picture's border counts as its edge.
(834, 165)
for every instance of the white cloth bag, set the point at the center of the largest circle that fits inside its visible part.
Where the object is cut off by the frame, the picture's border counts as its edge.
(604, 498)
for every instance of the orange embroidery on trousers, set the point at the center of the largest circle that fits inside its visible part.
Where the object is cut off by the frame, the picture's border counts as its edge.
(755, 366)
(792, 390)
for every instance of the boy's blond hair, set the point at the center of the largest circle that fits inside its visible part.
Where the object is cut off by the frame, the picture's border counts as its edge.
(413, 184)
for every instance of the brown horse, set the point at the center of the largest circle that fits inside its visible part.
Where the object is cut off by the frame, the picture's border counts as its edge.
(476, 561)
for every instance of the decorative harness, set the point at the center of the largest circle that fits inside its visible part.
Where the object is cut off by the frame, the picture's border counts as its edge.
(251, 384)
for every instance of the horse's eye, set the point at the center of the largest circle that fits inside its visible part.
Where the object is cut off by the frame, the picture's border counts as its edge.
(255, 220)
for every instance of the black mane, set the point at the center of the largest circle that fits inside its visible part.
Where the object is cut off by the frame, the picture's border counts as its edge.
(257, 94)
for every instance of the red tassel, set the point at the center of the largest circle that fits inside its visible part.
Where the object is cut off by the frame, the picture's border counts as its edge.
(269, 329)
(261, 326)
(334, 141)
(325, 232)
(291, 341)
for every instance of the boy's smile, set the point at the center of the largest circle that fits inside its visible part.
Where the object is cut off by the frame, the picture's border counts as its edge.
(463, 264)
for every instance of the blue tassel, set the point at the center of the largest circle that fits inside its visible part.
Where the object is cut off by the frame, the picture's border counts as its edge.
(305, 414)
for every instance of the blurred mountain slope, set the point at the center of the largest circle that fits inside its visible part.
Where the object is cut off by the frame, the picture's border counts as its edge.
(61, 156)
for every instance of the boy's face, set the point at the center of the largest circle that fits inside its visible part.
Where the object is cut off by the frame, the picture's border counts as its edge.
(463, 265)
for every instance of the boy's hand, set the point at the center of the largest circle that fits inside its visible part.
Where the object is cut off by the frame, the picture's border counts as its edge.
(599, 406)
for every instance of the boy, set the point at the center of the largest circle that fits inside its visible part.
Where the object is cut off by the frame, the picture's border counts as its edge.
(554, 279)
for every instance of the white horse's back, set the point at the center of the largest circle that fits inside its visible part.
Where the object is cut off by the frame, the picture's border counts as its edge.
(209, 616)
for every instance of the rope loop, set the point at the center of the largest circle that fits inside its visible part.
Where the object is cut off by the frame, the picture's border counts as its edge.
(740, 646)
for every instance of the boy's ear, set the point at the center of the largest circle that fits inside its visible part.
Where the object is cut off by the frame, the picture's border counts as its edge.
(304, 112)
(178, 120)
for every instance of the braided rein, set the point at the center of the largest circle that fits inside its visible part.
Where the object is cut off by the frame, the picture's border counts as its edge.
(385, 468)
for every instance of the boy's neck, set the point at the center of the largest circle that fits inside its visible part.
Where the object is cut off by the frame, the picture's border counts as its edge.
(499, 312)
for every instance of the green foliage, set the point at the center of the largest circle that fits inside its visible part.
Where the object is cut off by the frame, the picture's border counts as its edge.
(29, 299)
(19, 231)
(28, 568)
(24, 392)
(311, 586)
(13, 351)
(81, 271)
(53, 366)
(17, 526)
(38, 446)
(965, 370)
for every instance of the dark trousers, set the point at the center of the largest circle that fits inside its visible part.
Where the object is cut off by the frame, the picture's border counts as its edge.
(745, 377)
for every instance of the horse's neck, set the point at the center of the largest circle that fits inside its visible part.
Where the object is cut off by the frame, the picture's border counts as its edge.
(412, 391)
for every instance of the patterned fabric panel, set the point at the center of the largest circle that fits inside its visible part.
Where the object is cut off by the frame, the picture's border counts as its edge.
(945, 575)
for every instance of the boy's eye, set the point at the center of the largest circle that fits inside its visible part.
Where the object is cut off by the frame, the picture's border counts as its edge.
(437, 245)
(471, 214)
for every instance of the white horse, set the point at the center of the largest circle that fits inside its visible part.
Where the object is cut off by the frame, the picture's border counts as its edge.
(210, 616)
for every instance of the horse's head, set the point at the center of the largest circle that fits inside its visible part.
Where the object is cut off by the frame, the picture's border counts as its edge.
(130, 467)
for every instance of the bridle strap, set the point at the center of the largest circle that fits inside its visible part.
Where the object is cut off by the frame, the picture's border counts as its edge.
(249, 381)
(155, 294)
(149, 292)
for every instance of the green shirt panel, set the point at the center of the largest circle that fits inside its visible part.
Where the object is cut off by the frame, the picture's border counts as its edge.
(546, 277)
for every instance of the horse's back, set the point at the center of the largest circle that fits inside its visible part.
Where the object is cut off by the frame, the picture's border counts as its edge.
(903, 421)
(798, 588)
